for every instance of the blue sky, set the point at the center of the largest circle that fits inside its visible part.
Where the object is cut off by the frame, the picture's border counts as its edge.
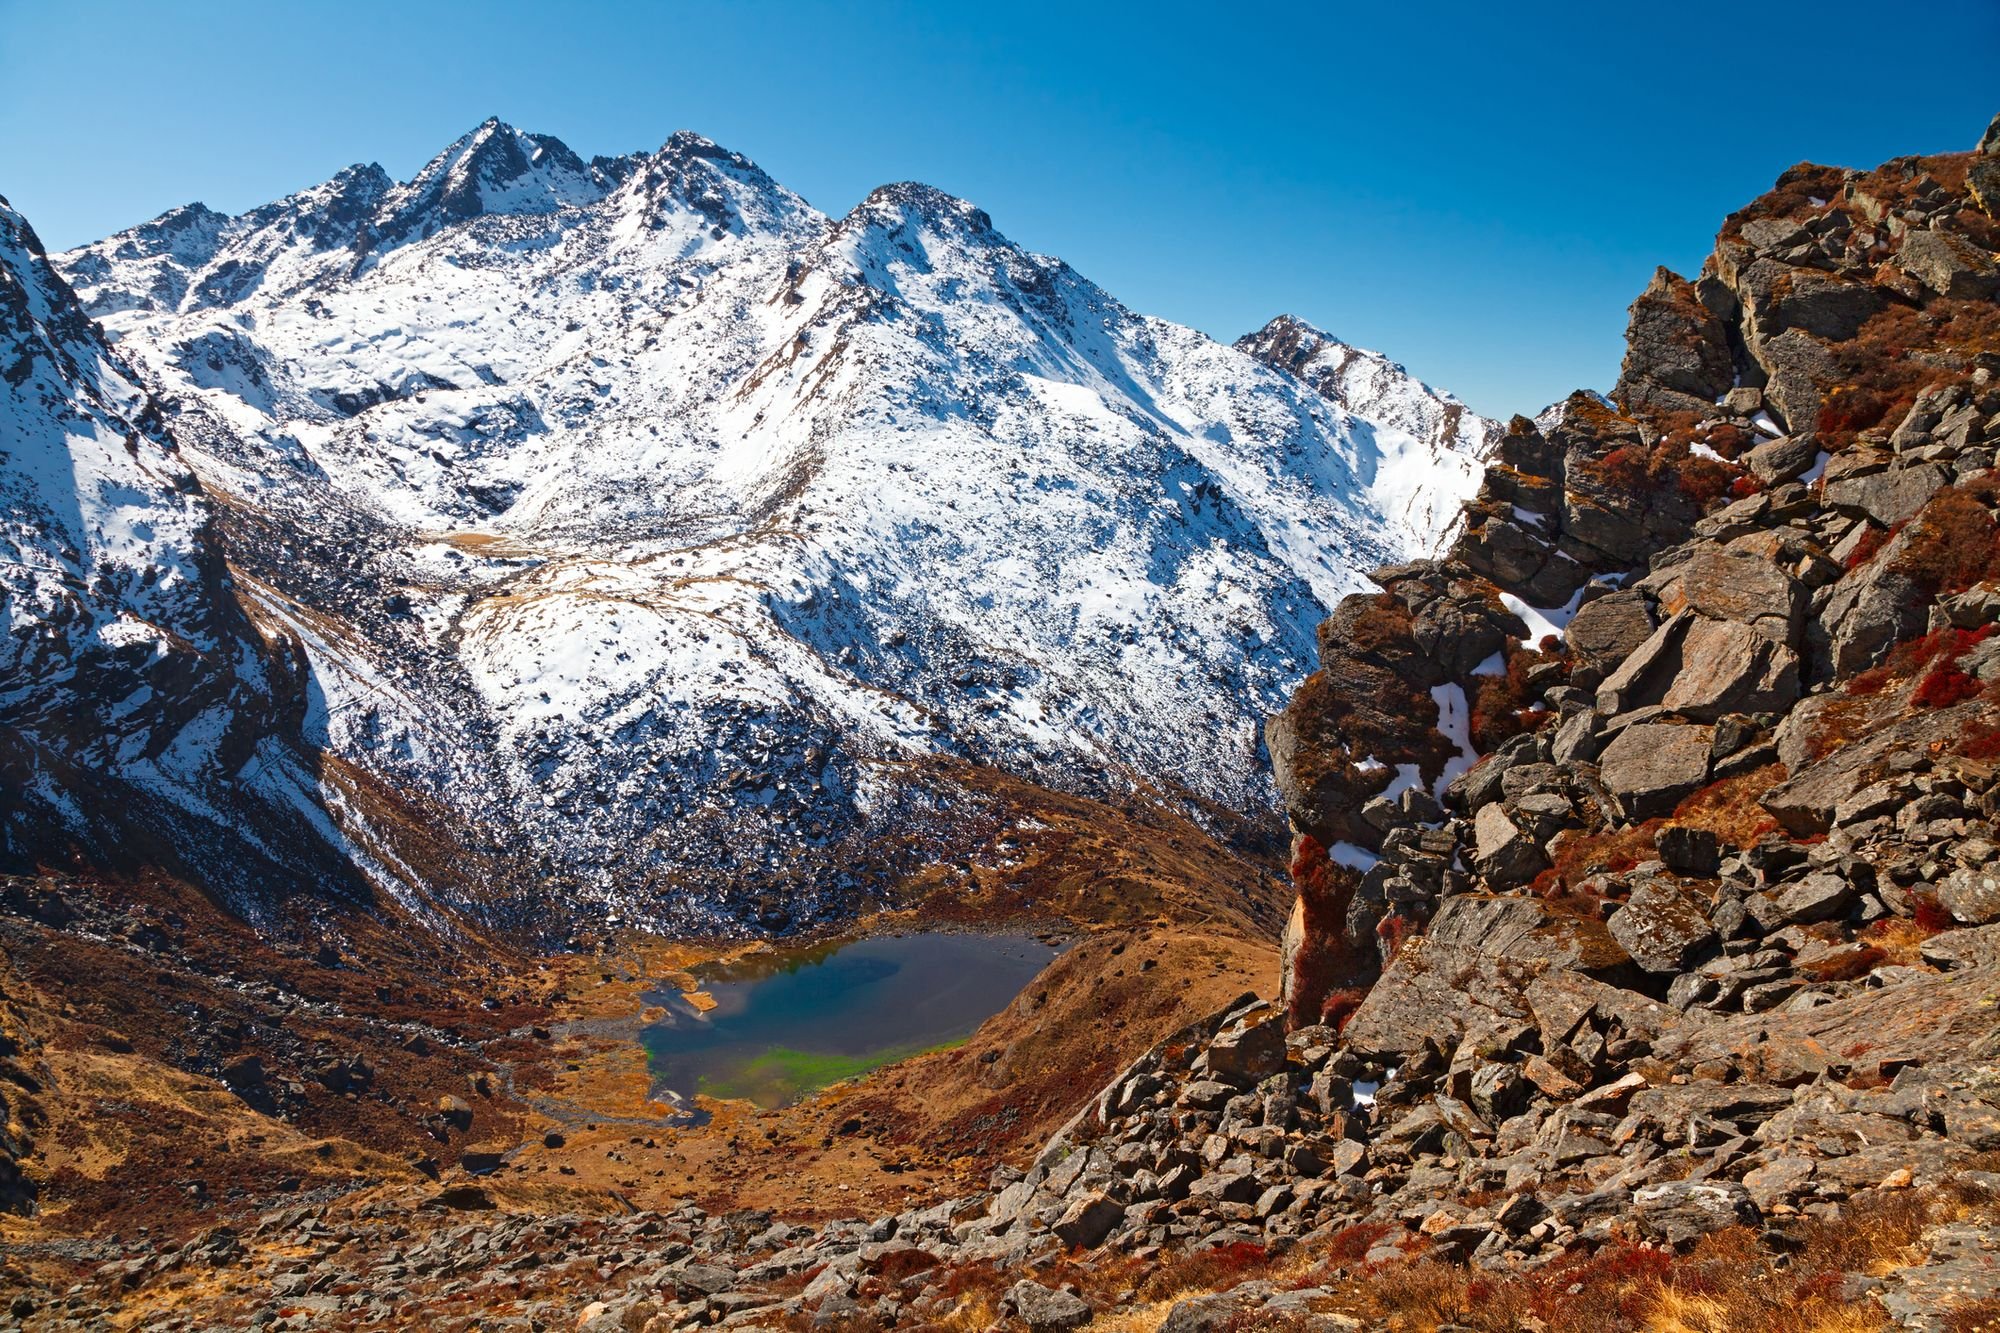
(1477, 190)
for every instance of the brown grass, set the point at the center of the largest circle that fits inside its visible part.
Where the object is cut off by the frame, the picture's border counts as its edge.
(1732, 809)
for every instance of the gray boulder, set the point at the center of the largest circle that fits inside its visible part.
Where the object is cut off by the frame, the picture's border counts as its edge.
(1801, 370)
(1783, 459)
(1972, 895)
(1503, 852)
(1949, 265)
(1743, 583)
(1249, 1051)
(1680, 1212)
(1662, 928)
(1085, 1223)
(1817, 897)
(1649, 766)
(1730, 667)
(1046, 1311)
(1870, 613)
(1888, 497)
(1688, 851)
(1607, 631)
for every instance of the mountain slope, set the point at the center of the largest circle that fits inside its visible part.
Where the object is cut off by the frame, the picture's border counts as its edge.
(143, 720)
(637, 513)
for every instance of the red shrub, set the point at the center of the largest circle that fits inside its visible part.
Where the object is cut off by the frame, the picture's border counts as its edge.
(1623, 469)
(1849, 409)
(1349, 1244)
(1942, 647)
(1504, 706)
(1944, 686)
(1744, 487)
(1952, 544)
(1981, 741)
(1931, 915)
(1727, 440)
(1395, 928)
(1704, 480)
(1864, 550)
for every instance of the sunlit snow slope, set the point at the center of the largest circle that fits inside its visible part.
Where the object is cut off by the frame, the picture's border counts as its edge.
(637, 513)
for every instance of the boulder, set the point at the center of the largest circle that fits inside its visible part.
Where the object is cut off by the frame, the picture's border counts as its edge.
(1662, 928)
(1648, 670)
(1249, 1051)
(1949, 265)
(1800, 370)
(1890, 497)
(1504, 853)
(1972, 894)
(1086, 1222)
(1649, 766)
(1880, 610)
(1743, 584)
(1677, 351)
(1605, 632)
(1805, 803)
(1976, 947)
(1780, 1180)
(1730, 667)
(1783, 459)
(1826, 306)
(1817, 897)
(1523, 929)
(1688, 851)
(1433, 993)
(1046, 1311)
(1680, 1212)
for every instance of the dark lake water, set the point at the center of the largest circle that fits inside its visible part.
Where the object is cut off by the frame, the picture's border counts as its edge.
(794, 1020)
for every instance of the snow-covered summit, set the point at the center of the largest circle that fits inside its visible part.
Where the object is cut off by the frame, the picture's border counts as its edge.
(638, 513)
(1431, 444)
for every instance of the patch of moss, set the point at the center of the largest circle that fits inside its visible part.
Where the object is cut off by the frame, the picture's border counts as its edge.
(782, 1075)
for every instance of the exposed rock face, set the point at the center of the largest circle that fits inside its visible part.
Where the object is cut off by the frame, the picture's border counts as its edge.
(1759, 760)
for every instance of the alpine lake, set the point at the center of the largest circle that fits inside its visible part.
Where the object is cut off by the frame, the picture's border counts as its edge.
(776, 1025)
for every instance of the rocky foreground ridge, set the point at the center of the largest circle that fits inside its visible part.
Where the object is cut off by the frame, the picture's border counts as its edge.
(1648, 938)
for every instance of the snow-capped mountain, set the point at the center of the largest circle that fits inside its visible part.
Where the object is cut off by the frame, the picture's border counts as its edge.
(143, 719)
(635, 513)
(1430, 444)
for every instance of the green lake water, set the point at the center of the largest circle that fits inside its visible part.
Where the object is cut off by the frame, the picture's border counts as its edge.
(791, 1021)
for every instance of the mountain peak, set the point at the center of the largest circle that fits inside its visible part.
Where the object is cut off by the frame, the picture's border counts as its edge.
(902, 202)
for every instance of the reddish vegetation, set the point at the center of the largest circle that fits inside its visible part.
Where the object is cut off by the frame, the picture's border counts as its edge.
(1939, 651)
(1211, 1270)
(1944, 686)
(1873, 539)
(1577, 859)
(1506, 705)
(1954, 542)
(1931, 915)
(1981, 740)
(1731, 808)
(1670, 462)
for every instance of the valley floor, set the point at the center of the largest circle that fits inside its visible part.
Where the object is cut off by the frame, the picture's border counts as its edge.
(197, 1107)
